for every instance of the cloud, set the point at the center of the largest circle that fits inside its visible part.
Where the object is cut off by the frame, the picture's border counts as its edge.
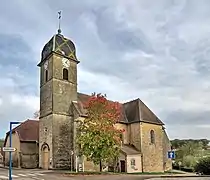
(18, 87)
(155, 50)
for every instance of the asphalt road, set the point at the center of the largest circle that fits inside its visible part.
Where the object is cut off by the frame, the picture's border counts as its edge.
(36, 174)
(184, 178)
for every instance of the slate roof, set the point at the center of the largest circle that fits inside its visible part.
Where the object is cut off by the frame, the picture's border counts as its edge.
(59, 45)
(132, 111)
(129, 149)
(27, 131)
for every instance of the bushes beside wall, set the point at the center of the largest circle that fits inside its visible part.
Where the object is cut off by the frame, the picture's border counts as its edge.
(203, 166)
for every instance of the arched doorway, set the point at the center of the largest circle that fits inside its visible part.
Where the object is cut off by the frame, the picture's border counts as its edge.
(45, 156)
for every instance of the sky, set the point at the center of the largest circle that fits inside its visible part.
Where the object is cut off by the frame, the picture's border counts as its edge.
(158, 51)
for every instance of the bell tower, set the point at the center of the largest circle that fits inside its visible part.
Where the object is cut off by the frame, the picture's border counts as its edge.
(58, 88)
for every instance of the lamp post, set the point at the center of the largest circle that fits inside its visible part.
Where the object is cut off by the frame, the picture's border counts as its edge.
(10, 145)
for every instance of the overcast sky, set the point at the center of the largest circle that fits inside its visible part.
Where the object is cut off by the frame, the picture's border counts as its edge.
(158, 51)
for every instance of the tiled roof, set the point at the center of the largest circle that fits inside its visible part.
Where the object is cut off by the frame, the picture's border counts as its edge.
(132, 111)
(28, 130)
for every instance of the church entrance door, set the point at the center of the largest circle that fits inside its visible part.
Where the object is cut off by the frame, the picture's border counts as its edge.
(122, 164)
(45, 157)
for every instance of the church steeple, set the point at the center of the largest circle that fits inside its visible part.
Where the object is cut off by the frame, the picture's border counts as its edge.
(58, 88)
(59, 45)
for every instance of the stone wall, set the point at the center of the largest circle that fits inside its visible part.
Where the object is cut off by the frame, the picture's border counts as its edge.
(135, 135)
(56, 116)
(126, 133)
(29, 155)
(46, 99)
(152, 153)
(62, 141)
(166, 147)
(29, 161)
(15, 155)
(45, 135)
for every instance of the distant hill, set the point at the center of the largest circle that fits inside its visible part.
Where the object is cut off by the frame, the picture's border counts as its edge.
(177, 143)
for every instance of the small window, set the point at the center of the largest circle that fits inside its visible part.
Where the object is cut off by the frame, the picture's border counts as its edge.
(133, 162)
(65, 74)
(152, 136)
(46, 75)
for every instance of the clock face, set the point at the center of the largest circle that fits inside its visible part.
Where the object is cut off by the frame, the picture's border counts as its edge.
(46, 65)
(66, 62)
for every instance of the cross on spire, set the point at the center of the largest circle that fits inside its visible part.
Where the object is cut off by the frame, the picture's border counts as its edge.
(59, 22)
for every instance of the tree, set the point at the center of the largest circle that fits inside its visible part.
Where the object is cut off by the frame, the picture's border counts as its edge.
(203, 166)
(189, 153)
(177, 143)
(97, 136)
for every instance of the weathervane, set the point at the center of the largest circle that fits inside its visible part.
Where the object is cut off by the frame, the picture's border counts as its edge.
(59, 22)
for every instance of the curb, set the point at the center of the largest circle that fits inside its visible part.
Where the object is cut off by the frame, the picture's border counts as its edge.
(2, 167)
(186, 176)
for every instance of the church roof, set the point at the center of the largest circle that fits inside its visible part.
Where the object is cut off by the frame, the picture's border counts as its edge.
(60, 45)
(132, 111)
(136, 110)
(129, 149)
(27, 131)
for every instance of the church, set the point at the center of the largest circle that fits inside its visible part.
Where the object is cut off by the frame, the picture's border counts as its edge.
(50, 142)
(145, 142)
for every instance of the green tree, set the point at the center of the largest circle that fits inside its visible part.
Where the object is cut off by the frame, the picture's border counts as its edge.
(189, 161)
(189, 153)
(192, 148)
(177, 143)
(203, 166)
(97, 136)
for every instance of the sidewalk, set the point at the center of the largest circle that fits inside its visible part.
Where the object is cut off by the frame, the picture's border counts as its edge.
(6, 167)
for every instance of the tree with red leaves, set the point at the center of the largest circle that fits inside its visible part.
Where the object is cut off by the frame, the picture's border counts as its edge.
(97, 137)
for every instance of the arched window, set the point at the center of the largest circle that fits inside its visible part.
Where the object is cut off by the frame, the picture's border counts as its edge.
(46, 75)
(152, 136)
(65, 74)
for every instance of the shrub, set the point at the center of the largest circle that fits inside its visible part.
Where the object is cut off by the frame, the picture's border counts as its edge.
(203, 166)
(189, 161)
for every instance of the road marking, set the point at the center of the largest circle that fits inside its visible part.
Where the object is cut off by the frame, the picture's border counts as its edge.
(22, 175)
(31, 174)
(3, 177)
(39, 174)
(36, 178)
(14, 176)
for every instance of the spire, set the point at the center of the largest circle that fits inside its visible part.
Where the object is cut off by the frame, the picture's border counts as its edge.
(59, 22)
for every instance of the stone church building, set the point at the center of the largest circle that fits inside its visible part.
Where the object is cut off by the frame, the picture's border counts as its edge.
(50, 142)
(145, 142)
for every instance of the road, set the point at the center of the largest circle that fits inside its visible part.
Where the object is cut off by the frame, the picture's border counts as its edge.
(36, 174)
(184, 178)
